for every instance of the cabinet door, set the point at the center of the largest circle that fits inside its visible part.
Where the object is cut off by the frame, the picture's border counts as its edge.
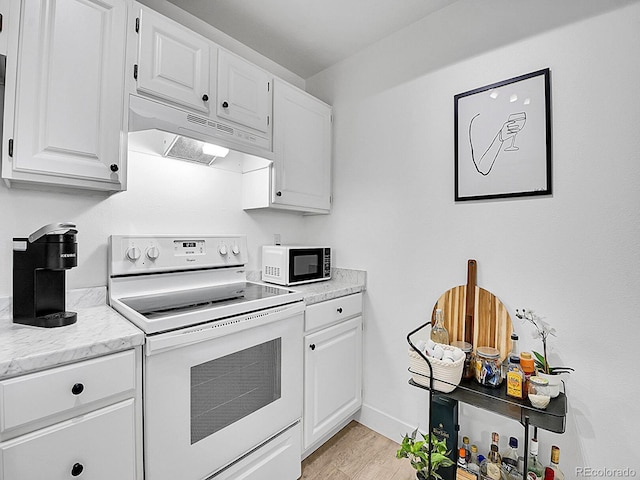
(99, 445)
(302, 148)
(5, 5)
(332, 378)
(173, 62)
(244, 92)
(69, 94)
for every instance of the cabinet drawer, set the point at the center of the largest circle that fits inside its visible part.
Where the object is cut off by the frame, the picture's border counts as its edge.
(99, 445)
(38, 395)
(327, 313)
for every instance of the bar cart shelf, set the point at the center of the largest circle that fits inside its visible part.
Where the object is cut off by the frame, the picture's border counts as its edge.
(553, 419)
(468, 391)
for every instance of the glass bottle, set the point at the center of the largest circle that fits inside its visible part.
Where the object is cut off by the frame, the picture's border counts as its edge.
(555, 460)
(510, 455)
(549, 474)
(473, 464)
(528, 367)
(512, 352)
(515, 379)
(482, 463)
(535, 470)
(439, 334)
(494, 470)
(462, 458)
(467, 450)
(495, 440)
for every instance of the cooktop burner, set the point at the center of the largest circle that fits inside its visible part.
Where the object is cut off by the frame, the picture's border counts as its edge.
(161, 305)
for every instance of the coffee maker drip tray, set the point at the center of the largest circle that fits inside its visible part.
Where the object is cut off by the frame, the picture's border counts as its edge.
(58, 319)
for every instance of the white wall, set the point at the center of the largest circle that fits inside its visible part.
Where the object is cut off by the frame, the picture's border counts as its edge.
(572, 256)
(163, 196)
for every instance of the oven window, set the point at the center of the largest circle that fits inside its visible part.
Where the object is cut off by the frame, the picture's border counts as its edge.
(229, 388)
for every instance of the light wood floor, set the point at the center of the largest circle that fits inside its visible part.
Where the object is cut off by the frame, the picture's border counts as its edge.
(357, 453)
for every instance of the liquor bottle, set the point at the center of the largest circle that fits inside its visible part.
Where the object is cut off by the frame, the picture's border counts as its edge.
(439, 334)
(512, 351)
(495, 440)
(462, 458)
(555, 460)
(493, 465)
(535, 469)
(548, 474)
(510, 455)
(473, 464)
(467, 450)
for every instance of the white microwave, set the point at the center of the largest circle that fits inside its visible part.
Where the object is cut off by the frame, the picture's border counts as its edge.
(294, 265)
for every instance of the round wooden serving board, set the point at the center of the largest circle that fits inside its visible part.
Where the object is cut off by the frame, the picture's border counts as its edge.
(490, 318)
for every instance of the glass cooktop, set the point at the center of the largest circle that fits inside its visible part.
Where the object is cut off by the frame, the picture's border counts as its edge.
(162, 305)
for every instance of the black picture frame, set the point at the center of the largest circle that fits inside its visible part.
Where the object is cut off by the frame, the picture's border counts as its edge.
(502, 135)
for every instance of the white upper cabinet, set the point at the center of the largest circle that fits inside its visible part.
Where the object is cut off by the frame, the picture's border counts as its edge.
(302, 149)
(173, 62)
(5, 15)
(64, 120)
(244, 93)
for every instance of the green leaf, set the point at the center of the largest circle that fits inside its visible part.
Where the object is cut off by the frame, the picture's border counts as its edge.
(539, 357)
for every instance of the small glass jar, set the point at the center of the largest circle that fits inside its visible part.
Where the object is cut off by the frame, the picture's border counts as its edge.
(539, 394)
(488, 368)
(467, 348)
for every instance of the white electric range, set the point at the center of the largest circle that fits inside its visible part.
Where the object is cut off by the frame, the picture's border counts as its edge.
(222, 373)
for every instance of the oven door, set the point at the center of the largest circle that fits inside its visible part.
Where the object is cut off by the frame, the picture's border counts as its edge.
(215, 392)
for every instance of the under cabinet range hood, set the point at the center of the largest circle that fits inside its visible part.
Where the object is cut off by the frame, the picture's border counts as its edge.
(151, 115)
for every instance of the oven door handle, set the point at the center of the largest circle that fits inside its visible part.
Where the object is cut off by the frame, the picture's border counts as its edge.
(188, 336)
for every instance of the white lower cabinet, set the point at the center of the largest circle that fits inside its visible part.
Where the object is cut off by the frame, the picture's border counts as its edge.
(99, 445)
(332, 368)
(78, 420)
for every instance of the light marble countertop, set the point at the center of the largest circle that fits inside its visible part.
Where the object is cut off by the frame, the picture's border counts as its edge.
(100, 330)
(343, 282)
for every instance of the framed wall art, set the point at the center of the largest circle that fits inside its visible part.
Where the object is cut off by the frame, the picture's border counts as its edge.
(503, 139)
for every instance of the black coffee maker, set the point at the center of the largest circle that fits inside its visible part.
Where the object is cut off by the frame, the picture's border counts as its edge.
(39, 264)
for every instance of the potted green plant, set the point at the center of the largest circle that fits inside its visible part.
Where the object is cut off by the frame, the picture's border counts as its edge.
(417, 451)
(543, 330)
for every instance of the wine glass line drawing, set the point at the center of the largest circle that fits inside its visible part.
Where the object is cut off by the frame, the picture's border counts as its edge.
(515, 123)
(508, 131)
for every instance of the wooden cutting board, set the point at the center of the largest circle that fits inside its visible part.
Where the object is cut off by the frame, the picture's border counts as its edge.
(469, 304)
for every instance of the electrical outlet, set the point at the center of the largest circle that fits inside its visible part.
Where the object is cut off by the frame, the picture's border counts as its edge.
(276, 239)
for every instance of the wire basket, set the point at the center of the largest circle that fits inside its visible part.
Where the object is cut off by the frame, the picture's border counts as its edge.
(446, 375)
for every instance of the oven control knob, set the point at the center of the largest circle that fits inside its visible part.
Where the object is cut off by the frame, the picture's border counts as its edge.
(133, 253)
(222, 249)
(153, 253)
(235, 250)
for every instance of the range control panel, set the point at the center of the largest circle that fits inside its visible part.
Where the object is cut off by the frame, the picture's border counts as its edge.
(134, 254)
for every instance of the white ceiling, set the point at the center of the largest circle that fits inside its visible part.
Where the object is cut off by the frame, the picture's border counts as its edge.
(307, 36)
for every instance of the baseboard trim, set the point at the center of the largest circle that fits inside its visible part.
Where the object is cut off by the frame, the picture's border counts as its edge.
(383, 423)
